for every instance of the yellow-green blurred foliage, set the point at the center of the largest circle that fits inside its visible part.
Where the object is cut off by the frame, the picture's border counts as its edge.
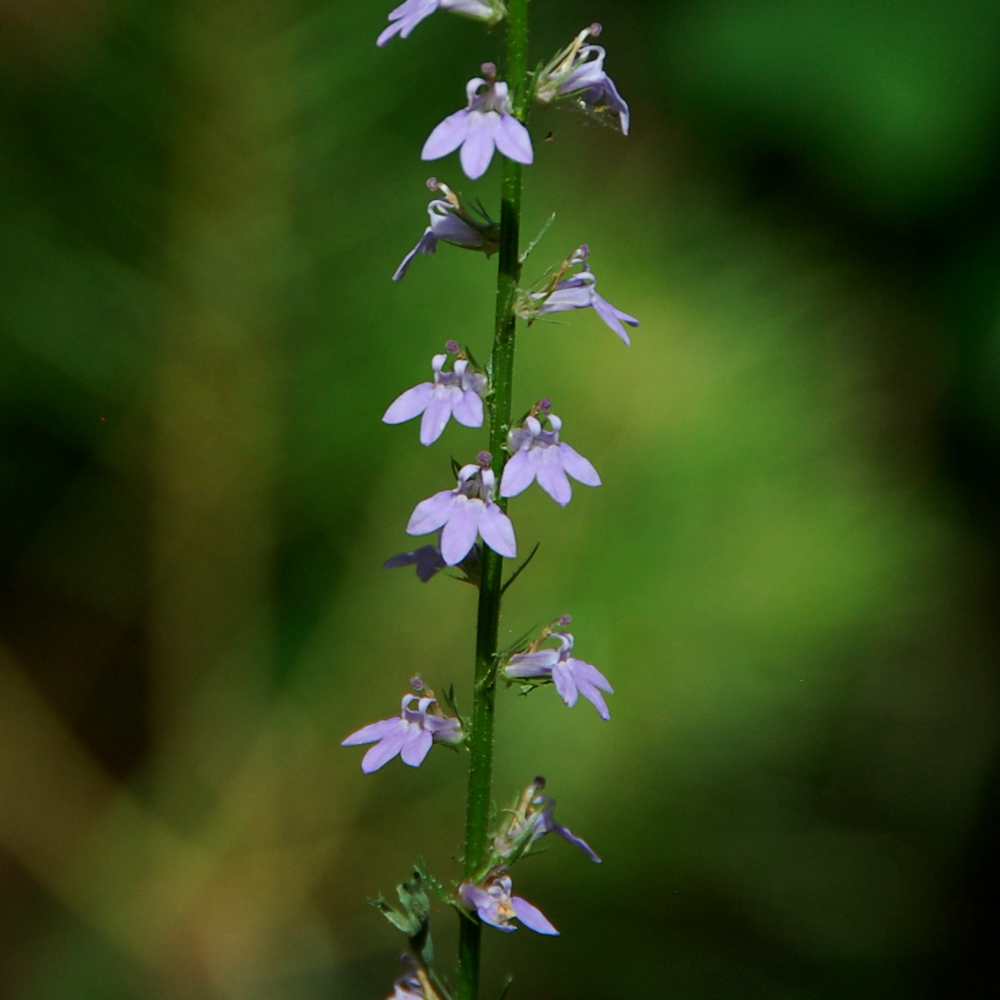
(788, 573)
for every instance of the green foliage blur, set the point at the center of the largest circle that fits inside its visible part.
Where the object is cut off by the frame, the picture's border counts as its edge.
(789, 573)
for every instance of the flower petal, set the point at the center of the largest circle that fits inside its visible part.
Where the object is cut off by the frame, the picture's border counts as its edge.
(468, 411)
(408, 405)
(426, 244)
(437, 414)
(480, 141)
(594, 697)
(614, 317)
(552, 478)
(531, 916)
(518, 474)
(588, 672)
(497, 531)
(416, 747)
(382, 752)
(431, 513)
(537, 664)
(577, 466)
(460, 532)
(514, 140)
(373, 732)
(446, 137)
(572, 838)
(565, 684)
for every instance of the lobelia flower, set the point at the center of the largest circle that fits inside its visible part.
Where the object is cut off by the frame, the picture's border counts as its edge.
(409, 734)
(429, 561)
(408, 15)
(452, 222)
(576, 292)
(571, 676)
(407, 988)
(486, 124)
(497, 907)
(530, 821)
(537, 453)
(465, 512)
(457, 394)
(577, 74)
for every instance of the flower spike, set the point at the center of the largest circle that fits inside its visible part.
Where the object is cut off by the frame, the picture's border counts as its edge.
(409, 14)
(537, 453)
(579, 291)
(486, 124)
(457, 394)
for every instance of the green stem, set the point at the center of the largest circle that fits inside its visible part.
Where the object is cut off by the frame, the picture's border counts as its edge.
(488, 624)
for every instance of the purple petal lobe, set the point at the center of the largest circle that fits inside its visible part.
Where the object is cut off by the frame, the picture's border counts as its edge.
(468, 410)
(576, 841)
(411, 403)
(480, 141)
(415, 749)
(431, 513)
(497, 531)
(577, 466)
(460, 532)
(436, 415)
(552, 478)
(531, 916)
(565, 685)
(518, 474)
(371, 733)
(446, 137)
(382, 752)
(514, 140)
(614, 317)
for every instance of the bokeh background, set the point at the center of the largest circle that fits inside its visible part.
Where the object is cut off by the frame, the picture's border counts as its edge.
(790, 574)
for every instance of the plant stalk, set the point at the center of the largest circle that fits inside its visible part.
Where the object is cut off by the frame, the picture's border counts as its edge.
(488, 623)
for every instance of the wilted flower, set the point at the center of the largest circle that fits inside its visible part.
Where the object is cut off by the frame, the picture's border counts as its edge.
(408, 734)
(452, 222)
(463, 513)
(577, 74)
(534, 817)
(571, 676)
(496, 906)
(486, 124)
(457, 394)
(408, 15)
(540, 454)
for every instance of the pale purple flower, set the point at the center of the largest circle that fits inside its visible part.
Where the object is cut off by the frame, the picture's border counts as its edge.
(463, 513)
(408, 734)
(576, 292)
(577, 74)
(457, 394)
(539, 453)
(453, 222)
(408, 15)
(486, 124)
(530, 821)
(571, 676)
(497, 907)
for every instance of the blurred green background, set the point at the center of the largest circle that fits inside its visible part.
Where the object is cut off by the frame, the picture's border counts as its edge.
(789, 575)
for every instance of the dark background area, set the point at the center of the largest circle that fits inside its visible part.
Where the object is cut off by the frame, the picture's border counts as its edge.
(789, 574)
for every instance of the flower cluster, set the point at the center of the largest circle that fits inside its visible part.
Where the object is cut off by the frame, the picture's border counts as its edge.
(475, 533)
